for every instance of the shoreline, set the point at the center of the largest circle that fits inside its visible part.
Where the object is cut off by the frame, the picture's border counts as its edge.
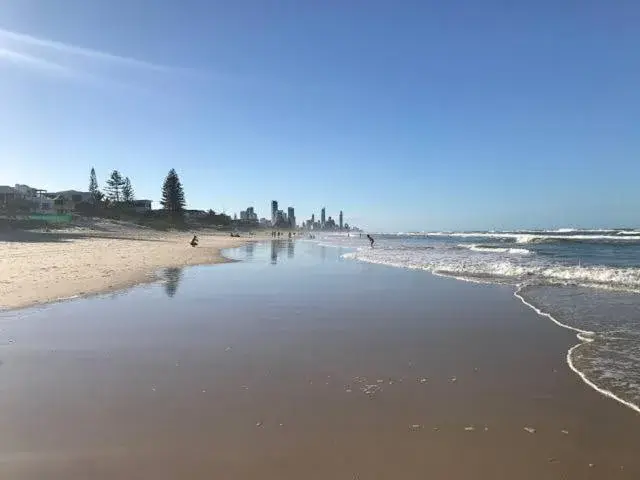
(40, 269)
(278, 383)
(581, 335)
(209, 252)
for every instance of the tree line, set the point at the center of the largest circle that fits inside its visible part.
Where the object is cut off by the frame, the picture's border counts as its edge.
(118, 190)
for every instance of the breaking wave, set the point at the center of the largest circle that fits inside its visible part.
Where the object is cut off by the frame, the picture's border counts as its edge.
(504, 270)
(494, 249)
(566, 235)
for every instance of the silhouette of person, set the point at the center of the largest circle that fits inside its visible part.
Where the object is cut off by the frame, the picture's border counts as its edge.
(194, 241)
(370, 239)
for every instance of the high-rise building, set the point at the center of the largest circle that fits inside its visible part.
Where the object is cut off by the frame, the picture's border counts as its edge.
(322, 217)
(291, 214)
(340, 219)
(248, 215)
(274, 212)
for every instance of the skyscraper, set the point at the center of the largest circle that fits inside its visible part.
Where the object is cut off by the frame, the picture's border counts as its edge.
(322, 217)
(340, 219)
(249, 215)
(274, 212)
(291, 214)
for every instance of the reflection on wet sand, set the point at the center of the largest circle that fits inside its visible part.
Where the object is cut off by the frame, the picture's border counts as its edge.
(172, 278)
(248, 250)
(279, 246)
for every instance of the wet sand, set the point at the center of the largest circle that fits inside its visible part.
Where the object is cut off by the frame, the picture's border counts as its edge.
(296, 364)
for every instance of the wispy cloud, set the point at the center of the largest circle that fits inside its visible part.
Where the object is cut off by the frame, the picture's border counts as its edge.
(91, 67)
(32, 61)
(23, 39)
(53, 68)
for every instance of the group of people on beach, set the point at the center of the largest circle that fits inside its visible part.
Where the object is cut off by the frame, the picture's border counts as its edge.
(276, 234)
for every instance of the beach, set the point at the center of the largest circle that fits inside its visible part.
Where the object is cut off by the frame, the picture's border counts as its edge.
(40, 267)
(297, 363)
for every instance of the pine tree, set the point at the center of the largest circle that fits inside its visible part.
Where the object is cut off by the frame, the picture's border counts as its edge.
(114, 186)
(96, 194)
(172, 193)
(127, 191)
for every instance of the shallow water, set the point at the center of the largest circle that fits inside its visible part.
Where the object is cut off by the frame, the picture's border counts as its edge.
(588, 280)
(610, 356)
(298, 363)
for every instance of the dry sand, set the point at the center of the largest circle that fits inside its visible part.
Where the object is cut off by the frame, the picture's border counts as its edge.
(41, 267)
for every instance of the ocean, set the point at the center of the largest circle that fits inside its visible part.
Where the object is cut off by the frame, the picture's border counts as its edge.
(587, 281)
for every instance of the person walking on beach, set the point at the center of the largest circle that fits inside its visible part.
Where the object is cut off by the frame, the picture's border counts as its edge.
(370, 239)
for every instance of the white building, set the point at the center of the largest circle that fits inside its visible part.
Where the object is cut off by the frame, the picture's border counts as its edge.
(40, 200)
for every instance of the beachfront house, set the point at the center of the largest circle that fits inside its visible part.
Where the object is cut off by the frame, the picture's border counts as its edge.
(74, 196)
(142, 206)
(7, 195)
(37, 198)
(25, 198)
(67, 200)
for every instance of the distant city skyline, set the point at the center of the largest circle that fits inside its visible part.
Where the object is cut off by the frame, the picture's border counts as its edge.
(431, 116)
(280, 219)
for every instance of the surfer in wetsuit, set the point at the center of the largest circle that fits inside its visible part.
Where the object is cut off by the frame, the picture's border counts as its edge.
(370, 239)
(194, 241)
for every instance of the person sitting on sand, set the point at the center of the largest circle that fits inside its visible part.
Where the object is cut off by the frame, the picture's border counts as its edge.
(194, 241)
(370, 239)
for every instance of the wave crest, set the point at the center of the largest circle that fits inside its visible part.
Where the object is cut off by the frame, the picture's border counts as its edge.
(510, 269)
(539, 237)
(474, 247)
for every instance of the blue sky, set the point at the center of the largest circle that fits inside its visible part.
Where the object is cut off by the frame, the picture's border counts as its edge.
(408, 115)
